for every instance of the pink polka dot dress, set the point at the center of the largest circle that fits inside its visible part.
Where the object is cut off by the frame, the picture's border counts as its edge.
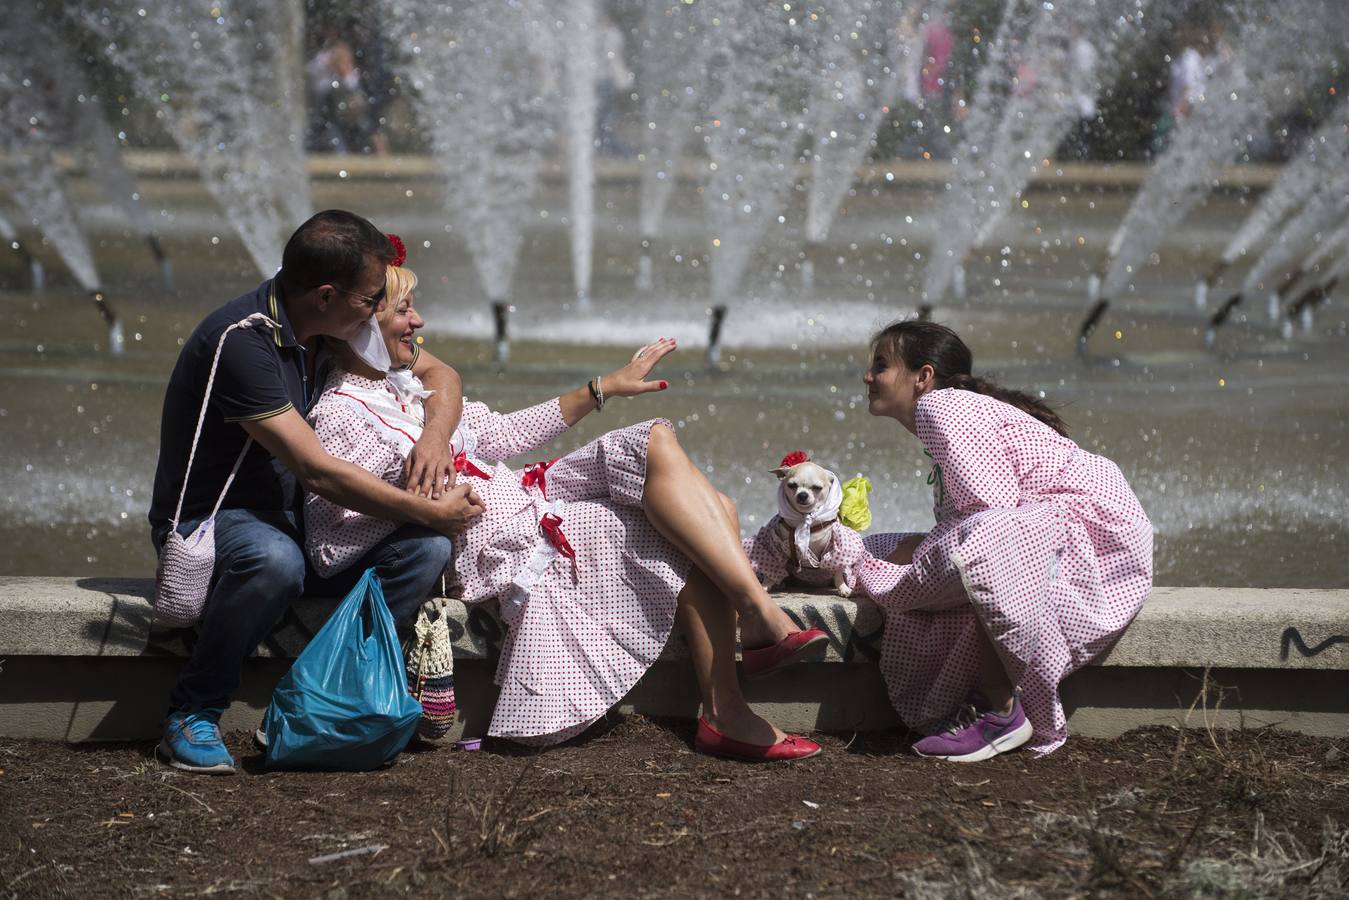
(587, 588)
(1041, 541)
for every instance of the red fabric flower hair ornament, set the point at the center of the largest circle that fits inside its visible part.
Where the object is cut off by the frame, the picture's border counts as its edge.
(400, 252)
(795, 458)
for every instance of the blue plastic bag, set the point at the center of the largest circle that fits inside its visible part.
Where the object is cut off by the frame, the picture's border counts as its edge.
(344, 704)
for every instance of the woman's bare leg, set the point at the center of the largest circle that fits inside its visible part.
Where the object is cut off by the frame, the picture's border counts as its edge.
(708, 623)
(688, 512)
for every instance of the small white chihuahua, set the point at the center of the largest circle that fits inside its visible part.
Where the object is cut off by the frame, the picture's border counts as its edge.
(809, 494)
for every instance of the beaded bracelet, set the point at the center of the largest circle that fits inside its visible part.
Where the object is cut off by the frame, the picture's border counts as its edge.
(596, 396)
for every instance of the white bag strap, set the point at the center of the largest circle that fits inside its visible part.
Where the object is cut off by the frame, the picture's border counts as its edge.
(247, 322)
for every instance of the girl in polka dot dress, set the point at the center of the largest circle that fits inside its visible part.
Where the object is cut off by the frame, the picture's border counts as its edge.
(1040, 556)
(591, 556)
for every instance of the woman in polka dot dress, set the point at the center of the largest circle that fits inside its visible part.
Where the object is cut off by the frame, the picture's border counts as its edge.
(1040, 556)
(591, 556)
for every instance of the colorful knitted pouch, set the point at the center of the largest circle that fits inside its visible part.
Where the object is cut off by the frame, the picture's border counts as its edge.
(430, 670)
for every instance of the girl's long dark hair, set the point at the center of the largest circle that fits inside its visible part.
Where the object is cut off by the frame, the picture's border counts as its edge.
(916, 343)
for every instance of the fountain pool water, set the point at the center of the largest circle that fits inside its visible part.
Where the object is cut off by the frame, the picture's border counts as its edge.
(1239, 456)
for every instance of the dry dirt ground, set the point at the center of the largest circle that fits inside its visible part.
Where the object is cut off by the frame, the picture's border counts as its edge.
(629, 810)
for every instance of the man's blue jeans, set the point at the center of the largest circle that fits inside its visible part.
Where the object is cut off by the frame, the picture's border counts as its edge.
(260, 569)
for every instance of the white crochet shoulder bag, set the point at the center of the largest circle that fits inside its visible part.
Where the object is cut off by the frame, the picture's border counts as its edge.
(183, 575)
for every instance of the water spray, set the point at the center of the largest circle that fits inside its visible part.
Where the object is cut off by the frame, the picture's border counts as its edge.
(1095, 279)
(116, 339)
(958, 282)
(1304, 307)
(1220, 317)
(1089, 324)
(1201, 289)
(502, 352)
(646, 280)
(809, 252)
(714, 336)
(36, 273)
(165, 264)
(1276, 299)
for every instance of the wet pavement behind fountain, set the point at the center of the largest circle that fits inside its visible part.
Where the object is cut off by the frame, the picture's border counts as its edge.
(1239, 455)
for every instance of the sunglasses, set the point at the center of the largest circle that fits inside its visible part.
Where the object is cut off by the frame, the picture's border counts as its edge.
(373, 303)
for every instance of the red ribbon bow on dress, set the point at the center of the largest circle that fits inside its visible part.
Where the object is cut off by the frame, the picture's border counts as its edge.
(534, 475)
(462, 464)
(551, 526)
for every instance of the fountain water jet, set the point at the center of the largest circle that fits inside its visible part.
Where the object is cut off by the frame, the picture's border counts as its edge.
(482, 97)
(1053, 71)
(215, 80)
(1235, 104)
(671, 82)
(579, 25)
(752, 128)
(1323, 155)
(1301, 230)
(1322, 276)
(992, 82)
(1298, 231)
(72, 117)
(854, 79)
(28, 173)
(37, 275)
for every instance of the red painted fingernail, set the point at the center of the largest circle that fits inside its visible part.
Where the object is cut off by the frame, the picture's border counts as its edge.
(664, 385)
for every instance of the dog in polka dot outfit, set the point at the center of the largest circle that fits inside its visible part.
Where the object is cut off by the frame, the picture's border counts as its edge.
(806, 540)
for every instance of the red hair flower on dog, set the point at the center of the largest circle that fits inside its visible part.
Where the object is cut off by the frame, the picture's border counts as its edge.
(795, 458)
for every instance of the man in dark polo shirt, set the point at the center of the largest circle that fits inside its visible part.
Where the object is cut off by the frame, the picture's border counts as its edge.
(331, 282)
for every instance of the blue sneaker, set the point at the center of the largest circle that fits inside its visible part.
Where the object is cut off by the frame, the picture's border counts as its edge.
(192, 743)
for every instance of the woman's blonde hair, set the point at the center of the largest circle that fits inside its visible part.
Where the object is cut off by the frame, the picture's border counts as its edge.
(398, 283)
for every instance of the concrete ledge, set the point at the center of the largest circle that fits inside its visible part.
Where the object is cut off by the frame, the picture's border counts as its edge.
(83, 660)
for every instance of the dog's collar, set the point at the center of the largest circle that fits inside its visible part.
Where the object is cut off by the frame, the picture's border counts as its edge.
(817, 526)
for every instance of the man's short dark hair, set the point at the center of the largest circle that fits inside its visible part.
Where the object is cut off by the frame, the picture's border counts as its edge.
(333, 247)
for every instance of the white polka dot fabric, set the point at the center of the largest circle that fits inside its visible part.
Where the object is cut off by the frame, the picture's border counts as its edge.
(1040, 540)
(591, 628)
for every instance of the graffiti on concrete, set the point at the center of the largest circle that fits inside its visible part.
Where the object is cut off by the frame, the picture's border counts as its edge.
(852, 645)
(1293, 638)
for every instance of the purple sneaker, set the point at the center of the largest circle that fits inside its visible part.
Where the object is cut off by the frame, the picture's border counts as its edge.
(973, 734)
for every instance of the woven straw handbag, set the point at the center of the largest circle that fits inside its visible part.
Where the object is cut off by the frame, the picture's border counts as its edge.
(430, 669)
(183, 575)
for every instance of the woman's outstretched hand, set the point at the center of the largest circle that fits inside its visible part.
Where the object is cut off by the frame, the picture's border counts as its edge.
(631, 380)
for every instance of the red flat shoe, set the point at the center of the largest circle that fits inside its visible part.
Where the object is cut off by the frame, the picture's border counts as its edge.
(713, 742)
(795, 647)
